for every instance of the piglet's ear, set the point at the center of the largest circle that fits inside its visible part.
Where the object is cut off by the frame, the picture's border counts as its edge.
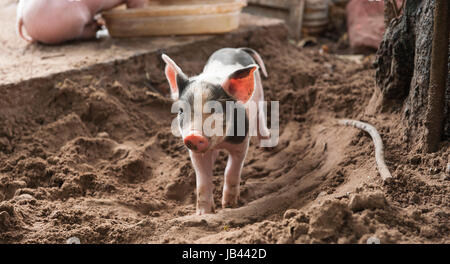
(241, 84)
(177, 79)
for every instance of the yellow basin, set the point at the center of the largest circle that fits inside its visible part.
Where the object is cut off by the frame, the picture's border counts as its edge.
(175, 17)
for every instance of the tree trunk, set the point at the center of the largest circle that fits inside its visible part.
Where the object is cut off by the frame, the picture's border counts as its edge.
(434, 119)
(403, 72)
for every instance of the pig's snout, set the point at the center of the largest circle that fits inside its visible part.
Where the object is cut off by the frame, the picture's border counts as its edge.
(196, 142)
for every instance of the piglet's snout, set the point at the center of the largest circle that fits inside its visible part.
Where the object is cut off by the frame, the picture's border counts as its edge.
(196, 142)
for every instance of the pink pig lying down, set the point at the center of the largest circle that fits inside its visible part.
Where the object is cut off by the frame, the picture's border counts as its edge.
(57, 21)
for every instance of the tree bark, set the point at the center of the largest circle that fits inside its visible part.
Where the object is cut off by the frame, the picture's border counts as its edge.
(403, 72)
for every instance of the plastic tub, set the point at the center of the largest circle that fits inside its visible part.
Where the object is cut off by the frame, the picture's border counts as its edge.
(175, 18)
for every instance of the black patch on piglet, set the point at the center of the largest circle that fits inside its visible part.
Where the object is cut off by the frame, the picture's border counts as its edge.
(182, 83)
(230, 56)
(235, 138)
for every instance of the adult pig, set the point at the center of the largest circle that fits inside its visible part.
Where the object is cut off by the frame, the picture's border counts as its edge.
(57, 21)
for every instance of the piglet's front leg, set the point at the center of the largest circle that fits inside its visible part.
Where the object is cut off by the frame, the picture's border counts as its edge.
(233, 172)
(203, 166)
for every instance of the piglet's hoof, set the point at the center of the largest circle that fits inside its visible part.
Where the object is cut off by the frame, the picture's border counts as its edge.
(203, 208)
(230, 202)
(203, 211)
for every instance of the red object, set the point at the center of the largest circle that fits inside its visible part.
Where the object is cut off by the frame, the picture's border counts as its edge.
(242, 84)
(196, 142)
(365, 23)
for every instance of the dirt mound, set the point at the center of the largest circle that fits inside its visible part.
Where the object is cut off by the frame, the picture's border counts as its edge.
(93, 157)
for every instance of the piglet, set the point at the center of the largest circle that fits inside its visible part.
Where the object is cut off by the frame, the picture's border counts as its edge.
(230, 77)
(57, 21)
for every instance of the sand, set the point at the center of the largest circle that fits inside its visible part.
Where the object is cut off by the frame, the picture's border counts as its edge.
(90, 155)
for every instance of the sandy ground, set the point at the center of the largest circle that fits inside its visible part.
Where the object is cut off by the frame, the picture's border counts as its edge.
(91, 155)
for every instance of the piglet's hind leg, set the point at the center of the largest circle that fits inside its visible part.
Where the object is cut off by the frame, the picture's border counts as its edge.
(263, 131)
(90, 30)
